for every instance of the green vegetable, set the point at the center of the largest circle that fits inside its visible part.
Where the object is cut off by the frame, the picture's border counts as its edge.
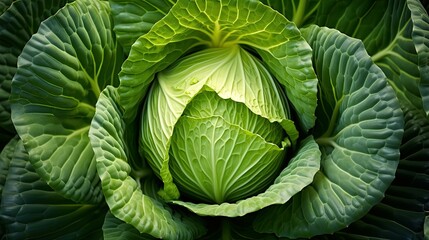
(214, 119)
(201, 135)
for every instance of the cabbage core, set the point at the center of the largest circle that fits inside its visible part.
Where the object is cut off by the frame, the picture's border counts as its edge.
(222, 152)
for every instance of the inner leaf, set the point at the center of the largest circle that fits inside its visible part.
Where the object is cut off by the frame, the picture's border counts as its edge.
(219, 153)
(209, 104)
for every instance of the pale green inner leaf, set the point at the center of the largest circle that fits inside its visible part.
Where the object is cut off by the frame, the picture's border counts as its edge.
(220, 158)
(215, 24)
(230, 72)
(208, 104)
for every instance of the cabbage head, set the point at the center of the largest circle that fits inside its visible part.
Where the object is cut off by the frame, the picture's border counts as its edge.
(237, 112)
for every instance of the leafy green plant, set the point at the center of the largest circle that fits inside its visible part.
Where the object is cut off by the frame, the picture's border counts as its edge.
(213, 119)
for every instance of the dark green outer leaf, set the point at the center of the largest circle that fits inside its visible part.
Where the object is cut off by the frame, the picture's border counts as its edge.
(135, 18)
(62, 70)
(402, 213)
(396, 55)
(4, 5)
(394, 34)
(5, 157)
(389, 34)
(359, 130)
(420, 36)
(116, 229)
(31, 209)
(17, 24)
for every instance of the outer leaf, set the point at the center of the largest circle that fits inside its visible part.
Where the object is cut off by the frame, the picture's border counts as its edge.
(363, 127)
(420, 36)
(115, 229)
(395, 33)
(5, 4)
(401, 214)
(123, 195)
(135, 18)
(31, 209)
(392, 34)
(398, 52)
(298, 174)
(5, 157)
(191, 24)
(61, 71)
(18, 21)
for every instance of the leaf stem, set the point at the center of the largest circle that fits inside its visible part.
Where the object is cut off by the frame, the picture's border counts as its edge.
(226, 229)
(333, 121)
(381, 54)
(389, 49)
(217, 35)
(298, 17)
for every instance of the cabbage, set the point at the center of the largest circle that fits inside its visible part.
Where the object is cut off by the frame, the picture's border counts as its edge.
(210, 119)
